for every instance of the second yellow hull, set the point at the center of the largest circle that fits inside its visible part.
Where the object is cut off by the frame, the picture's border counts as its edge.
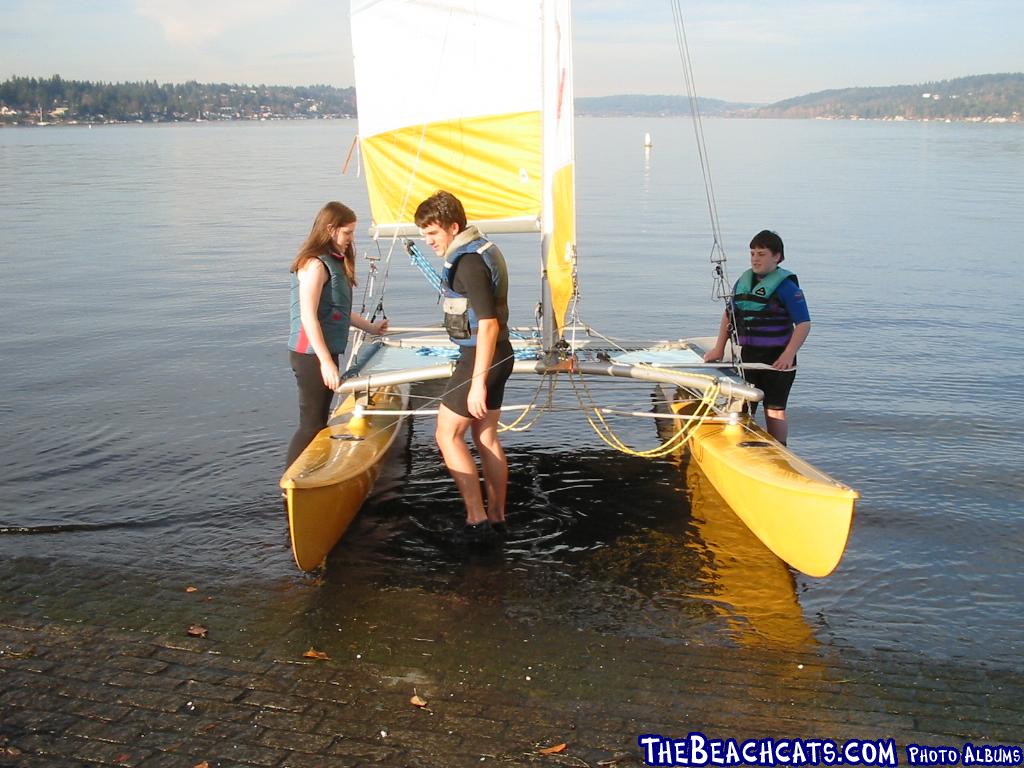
(800, 513)
(327, 484)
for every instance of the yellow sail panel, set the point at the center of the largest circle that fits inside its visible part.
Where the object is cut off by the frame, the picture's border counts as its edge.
(492, 163)
(561, 254)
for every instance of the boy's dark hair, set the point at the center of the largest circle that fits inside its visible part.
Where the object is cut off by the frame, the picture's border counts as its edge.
(442, 208)
(770, 240)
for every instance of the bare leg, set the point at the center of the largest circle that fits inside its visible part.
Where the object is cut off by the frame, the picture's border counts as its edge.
(775, 421)
(451, 439)
(494, 464)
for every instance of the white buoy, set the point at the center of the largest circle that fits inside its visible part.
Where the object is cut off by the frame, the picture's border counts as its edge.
(647, 140)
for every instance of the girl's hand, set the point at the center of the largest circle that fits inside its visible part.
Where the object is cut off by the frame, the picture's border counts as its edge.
(331, 375)
(380, 327)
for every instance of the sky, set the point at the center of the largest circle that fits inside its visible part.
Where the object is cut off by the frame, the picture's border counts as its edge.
(759, 51)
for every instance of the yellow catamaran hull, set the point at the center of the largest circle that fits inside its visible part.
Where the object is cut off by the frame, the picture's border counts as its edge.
(800, 513)
(329, 481)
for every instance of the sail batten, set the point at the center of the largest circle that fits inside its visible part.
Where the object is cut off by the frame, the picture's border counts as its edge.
(490, 226)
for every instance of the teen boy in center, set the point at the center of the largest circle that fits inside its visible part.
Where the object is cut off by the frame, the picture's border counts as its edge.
(772, 324)
(475, 284)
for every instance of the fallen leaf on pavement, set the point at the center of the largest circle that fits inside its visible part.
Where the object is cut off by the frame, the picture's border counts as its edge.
(553, 750)
(198, 630)
(416, 701)
(313, 653)
(203, 764)
(191, 589)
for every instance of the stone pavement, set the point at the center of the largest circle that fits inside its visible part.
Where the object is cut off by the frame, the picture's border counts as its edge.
(75, 693)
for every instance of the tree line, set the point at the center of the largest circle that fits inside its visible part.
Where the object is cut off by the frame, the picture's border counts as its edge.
(977, 97)
(54, 99)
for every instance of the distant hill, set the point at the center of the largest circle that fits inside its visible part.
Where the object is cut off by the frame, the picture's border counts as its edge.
(626, 105)
(979, 97)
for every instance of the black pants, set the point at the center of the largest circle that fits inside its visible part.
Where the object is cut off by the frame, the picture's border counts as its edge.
(314, 401)
(775, 384)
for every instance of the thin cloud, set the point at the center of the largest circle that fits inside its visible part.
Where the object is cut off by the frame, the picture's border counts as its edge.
(194, 22)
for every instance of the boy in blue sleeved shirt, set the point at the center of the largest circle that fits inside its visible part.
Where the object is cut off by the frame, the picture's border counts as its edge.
(772, 322)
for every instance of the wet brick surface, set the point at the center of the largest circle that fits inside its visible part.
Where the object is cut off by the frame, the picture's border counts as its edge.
(76, 695)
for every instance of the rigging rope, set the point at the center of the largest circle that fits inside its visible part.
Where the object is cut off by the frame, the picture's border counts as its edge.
(601, 427)
(698, 126)
(514, 426)
(722, 287)
(418, 260)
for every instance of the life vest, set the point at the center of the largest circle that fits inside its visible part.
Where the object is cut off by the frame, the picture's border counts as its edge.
(460, 319)
(334, 311)
(761, 319)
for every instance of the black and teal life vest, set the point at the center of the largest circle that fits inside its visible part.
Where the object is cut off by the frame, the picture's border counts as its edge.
(334, 311)
(761, 319)
(460, 319)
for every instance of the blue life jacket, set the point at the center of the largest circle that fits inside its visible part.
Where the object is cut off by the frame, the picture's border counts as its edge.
(460, 319)
(334, 311)
(761, 319)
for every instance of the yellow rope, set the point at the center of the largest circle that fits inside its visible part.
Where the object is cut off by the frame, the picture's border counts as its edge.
(514, 426)
(677, 440)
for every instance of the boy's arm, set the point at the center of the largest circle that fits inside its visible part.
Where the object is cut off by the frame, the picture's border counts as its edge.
(486, 342)
(715, 353)
(796, 306)
(800, 333)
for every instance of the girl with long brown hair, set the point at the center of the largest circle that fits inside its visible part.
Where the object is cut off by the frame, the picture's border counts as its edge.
(323, 275)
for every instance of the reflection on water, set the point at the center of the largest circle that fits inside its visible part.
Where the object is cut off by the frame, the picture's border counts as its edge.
(597, 540)
(742, 578)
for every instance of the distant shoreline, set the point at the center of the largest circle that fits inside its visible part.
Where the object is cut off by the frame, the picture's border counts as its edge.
(992, 98)
(993, 120)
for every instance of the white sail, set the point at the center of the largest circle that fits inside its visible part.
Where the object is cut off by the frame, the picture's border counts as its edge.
(449, 98)
(475, 97)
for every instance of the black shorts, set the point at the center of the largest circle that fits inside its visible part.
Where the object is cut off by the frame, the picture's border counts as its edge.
(457, 391)
(774, 384)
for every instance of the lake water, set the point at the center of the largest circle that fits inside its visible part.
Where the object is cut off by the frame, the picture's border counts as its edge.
(146, 401)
